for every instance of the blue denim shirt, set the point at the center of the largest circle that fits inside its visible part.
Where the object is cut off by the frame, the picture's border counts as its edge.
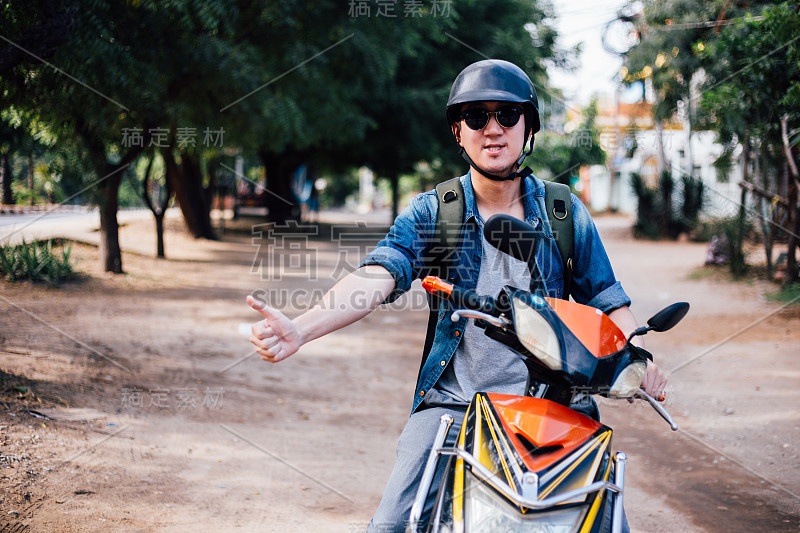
(404, 252)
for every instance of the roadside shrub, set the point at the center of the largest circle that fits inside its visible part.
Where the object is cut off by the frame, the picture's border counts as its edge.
(644, 226)
(652, 207)
(656, 214)
(789, 293)
(735, 232)
(36, 261)
(691, 202)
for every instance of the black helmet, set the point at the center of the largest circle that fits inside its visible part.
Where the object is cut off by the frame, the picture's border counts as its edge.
(495, 80)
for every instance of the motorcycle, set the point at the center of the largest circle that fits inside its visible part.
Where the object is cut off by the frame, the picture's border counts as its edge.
(531, 463)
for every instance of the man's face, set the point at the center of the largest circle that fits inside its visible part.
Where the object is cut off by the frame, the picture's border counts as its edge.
(493, 148)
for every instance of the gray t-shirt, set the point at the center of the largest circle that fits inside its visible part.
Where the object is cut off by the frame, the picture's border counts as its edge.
(481, 364)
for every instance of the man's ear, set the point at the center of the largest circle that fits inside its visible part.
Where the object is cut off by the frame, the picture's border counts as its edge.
(455, 127)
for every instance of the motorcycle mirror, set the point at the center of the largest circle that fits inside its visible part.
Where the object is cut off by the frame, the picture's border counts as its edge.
(668, 317)
(664, 319)
(512, 236)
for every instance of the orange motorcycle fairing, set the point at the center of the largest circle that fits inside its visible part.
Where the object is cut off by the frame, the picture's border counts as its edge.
(592, 327)
(513, 435)
(542, 431)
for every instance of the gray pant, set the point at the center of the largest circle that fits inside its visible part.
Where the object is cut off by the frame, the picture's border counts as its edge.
(413, 449)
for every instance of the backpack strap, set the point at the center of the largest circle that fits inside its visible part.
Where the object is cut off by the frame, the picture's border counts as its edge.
(558, 203)
(449, 220)
(451, 214)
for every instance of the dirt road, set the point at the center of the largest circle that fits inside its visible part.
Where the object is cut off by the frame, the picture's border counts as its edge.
(159, 420)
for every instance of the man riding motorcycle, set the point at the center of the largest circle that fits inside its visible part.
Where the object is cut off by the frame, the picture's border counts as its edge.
(486, 103)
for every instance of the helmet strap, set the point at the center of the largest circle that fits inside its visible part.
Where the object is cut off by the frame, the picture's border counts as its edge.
(514, 174)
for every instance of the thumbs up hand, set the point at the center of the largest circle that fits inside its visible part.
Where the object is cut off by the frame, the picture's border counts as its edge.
(275, 337)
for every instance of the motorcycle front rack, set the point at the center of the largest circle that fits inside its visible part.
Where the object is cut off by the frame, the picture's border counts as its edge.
(529, 497)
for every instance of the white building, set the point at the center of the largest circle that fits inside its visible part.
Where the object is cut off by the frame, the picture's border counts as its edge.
(620, 124)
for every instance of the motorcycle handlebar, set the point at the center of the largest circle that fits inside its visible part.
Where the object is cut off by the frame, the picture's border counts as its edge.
(658, 407)
(461, 297)
(469, 299)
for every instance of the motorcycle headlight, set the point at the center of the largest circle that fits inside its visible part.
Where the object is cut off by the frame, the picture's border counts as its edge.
(487, 512)
(536, 334)
(628, 381)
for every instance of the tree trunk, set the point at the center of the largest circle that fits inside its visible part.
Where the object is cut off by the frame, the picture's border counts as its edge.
(281, 203)
(764, 217)
(394, 179)
(159, 235)
(794, 223)
(208, 192)
(110, 252)
(6, 194)
(30, 176)
(665, 187)
(794, 205)
(662, 158)
(689, 134)
(158, 209)
(108, 198)
(737, 255)
(187, 180)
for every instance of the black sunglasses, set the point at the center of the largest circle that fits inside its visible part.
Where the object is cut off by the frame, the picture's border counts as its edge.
(477, 118)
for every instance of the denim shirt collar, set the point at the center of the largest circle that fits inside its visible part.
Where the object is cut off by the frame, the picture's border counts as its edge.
(470, 204)
(530, 189)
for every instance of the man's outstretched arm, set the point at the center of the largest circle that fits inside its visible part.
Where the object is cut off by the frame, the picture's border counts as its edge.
(351, 299)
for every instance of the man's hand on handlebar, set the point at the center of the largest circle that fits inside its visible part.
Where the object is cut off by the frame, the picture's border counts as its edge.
(276, 337)
(654, 381)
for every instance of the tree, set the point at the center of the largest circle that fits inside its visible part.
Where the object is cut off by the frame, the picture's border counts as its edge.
(85, 105)
(376, 96)
(41, 27)
(752, 98)
(560, 155)
(410, 120)
(116, 75)
(673, 35)
(11, 139)
(304, 101)
(156, 191)
(290, 83)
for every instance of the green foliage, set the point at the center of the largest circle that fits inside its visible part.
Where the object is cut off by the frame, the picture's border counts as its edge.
(650, 210)
(25, 196)
(559, 156)
(656, 215)
(734, 229)
(671, 48)
(339, 187)
(752, 71)
(293, 82)
(724, 164)
(36, 261)
(418, 59)
(790, 293)
(691, 202)
(130, 193)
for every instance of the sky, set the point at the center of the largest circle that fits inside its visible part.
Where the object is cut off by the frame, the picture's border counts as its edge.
(583, 21)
